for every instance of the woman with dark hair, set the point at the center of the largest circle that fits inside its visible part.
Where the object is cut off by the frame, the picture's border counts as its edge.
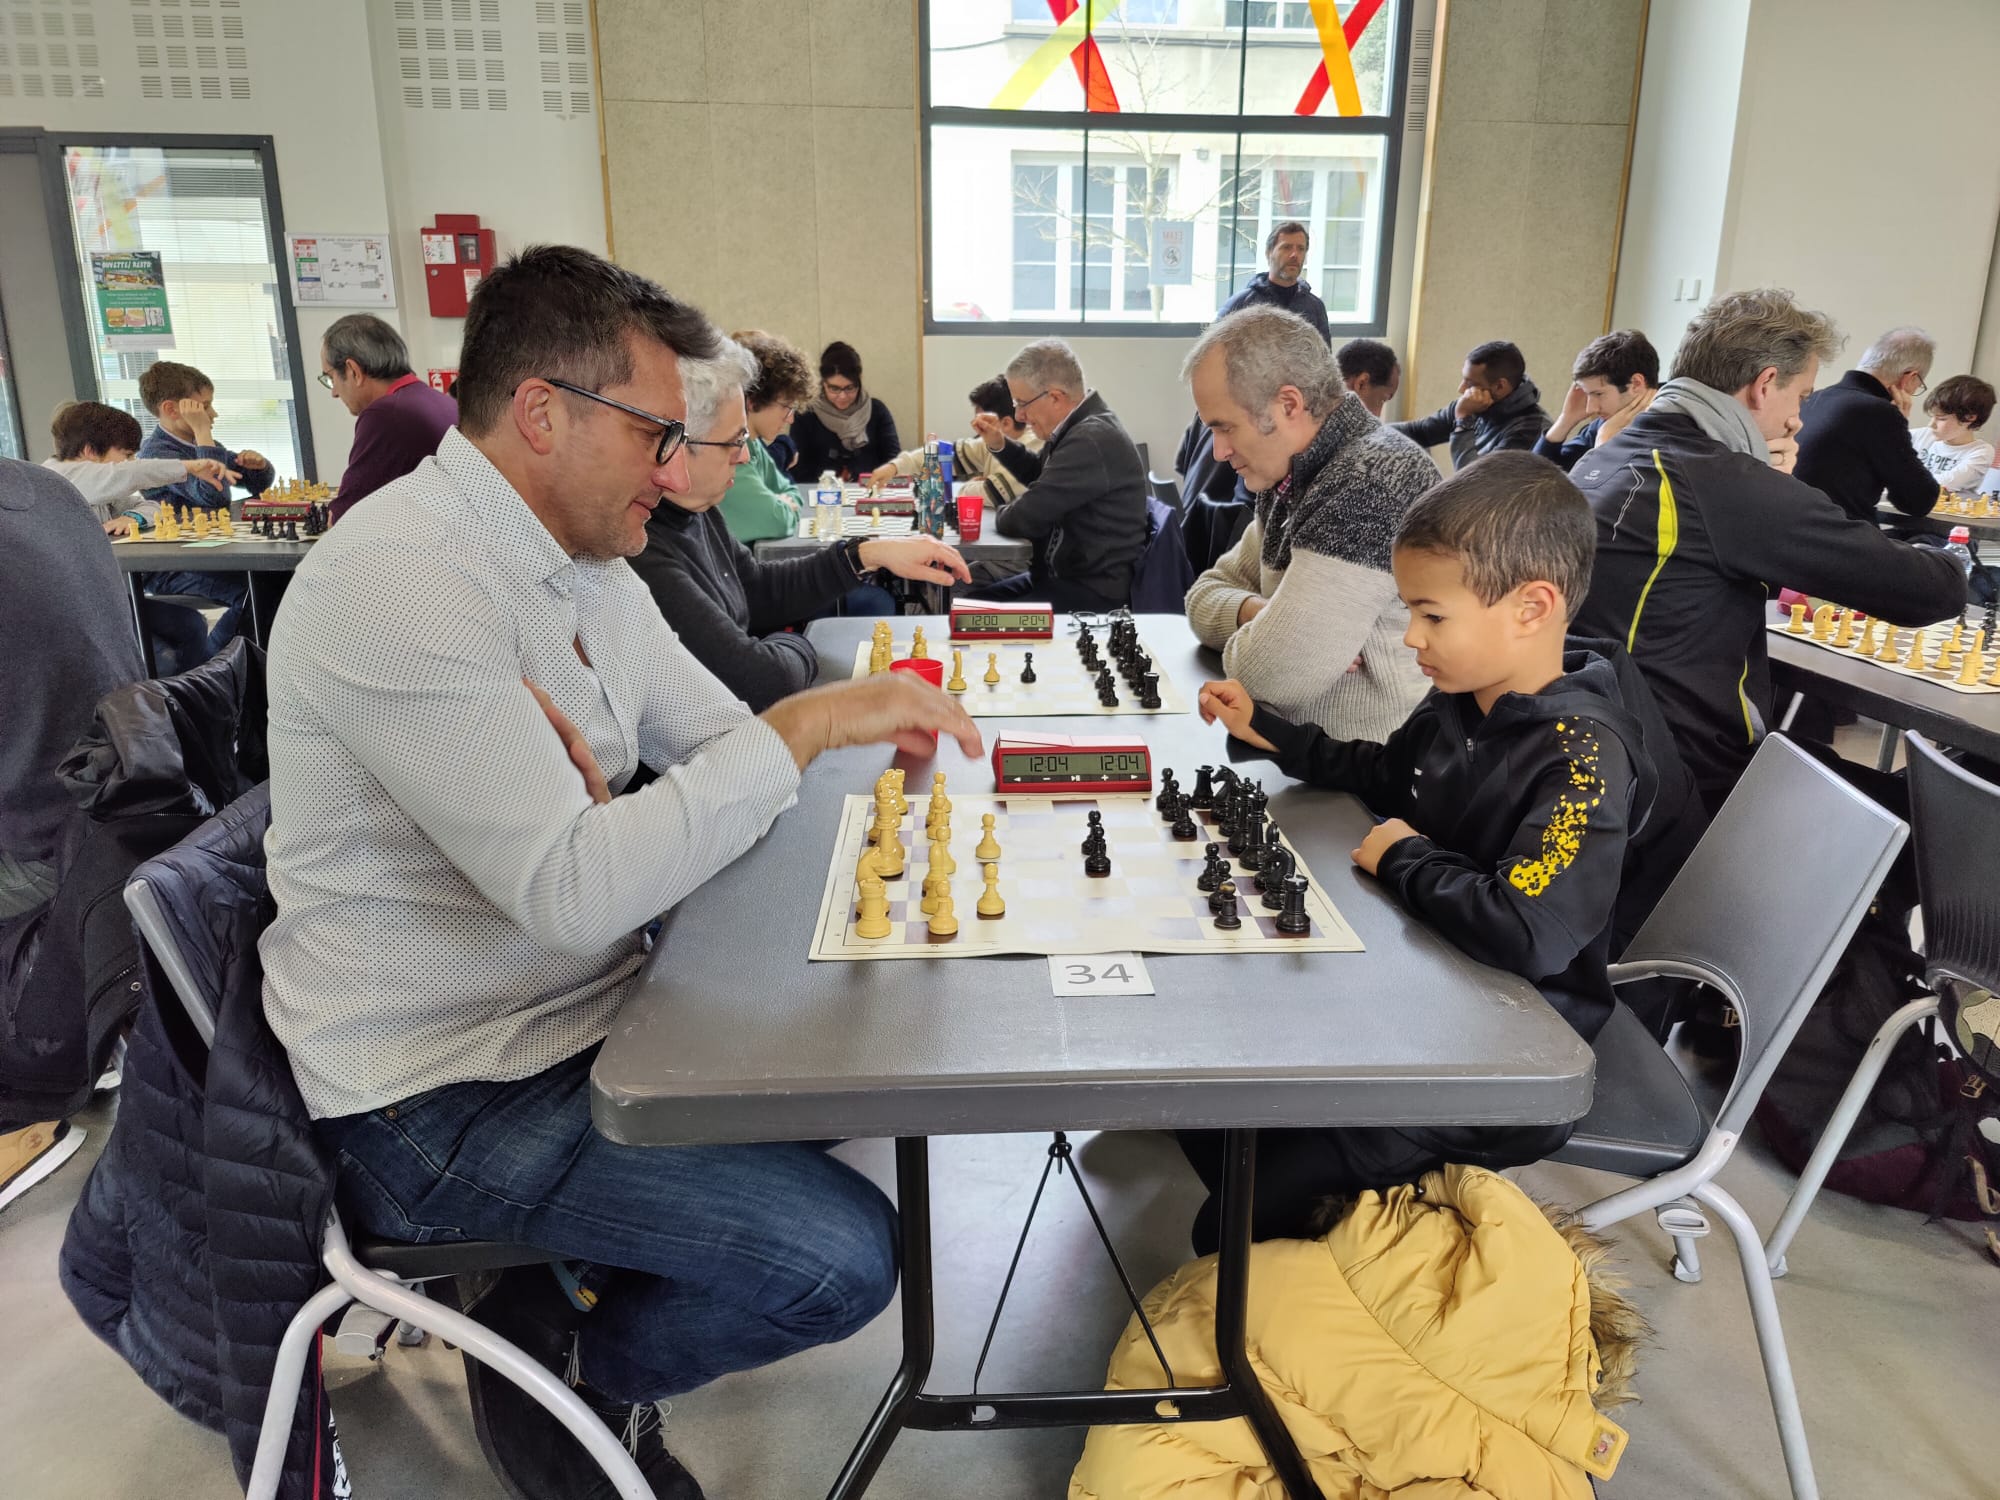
(845, 431)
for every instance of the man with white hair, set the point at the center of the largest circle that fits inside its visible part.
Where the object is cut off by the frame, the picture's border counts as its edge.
(1856, 440)
(1085, 505)
(1304, 608)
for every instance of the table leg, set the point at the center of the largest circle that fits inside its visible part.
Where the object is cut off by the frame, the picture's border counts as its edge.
(139, 622)
(266, 590)
(1885, 752)
(1791, 712)
(1232, 1295)
(913, 1210)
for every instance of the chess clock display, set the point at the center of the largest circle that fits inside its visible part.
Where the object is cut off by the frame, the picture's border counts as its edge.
(972, 620)
(1071, 763)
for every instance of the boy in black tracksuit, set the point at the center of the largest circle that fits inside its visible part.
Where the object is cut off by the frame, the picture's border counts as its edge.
(1510, 799)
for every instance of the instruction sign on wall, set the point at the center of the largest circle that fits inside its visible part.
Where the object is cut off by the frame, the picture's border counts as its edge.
(341, 270)
(131, 300)
(1172, 253)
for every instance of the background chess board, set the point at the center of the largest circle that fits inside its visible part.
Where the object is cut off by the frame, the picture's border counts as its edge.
(1147, 904)
(1062, 687)
(863, 526)
(1934, 636)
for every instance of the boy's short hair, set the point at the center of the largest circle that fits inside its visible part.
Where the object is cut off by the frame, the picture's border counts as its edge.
(166, 381)
(1500, 359)
(91, 424)
(993, 398)
(1966, 397)
(1617, 357)
(1509, 518)
(782, 371)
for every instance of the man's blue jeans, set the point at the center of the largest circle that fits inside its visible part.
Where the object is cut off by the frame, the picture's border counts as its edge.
(231, 590)
(729, 1257)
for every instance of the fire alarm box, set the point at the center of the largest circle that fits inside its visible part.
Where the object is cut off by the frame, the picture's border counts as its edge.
(457, 254)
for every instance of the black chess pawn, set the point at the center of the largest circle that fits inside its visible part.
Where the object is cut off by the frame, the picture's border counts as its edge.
(1028, 668)
(1149, 690)
(1097, 861)
(1202, 798)
(1214, 872)
(1094, 831)
(291, 531)
(1280, 864)
(1223, 905)
(1184, 830)
(1169, 788)
(1292, 916)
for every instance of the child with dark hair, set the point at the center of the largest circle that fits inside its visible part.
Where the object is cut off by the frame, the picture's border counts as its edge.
(970, 457)
(1508, 798)
(845, 431)
(1950, 446)
(95, 444)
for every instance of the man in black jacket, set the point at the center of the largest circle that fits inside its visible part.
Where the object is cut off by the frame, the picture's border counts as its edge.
(1856, 440)
(1498, 407)
(1085, 505)
(1510, 797)
(1285, 249)
(1698, 523)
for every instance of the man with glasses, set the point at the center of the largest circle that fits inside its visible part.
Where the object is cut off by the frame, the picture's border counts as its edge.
(1084, 508)
(729, 609)
(398, 419)
(1855, 443)
(463, 674)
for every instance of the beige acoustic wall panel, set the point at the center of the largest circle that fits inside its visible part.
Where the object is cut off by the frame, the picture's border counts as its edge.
(1533, 113)
(763, 164)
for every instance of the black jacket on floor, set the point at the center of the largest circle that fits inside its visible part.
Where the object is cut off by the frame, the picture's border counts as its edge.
(1855, 444)
(1515, 421)
(1085, 506)
(1692, 541)
(1524, 815)
(731, 610)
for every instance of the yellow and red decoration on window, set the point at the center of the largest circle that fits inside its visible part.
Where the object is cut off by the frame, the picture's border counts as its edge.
(1073, 39)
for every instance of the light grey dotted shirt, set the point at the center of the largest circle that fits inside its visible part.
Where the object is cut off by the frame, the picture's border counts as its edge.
(451, 904)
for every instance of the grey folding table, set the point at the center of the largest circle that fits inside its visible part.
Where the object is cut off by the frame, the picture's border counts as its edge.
(733, 1035)
(1965, 721)
(268, 565)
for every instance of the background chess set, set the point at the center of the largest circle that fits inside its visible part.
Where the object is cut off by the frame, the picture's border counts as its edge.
(1935, 648)
(1063, 686)
(863, 526)
(1147, 904)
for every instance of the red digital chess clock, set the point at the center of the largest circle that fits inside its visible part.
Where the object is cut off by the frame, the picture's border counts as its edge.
(972, 620)
(1070, 763)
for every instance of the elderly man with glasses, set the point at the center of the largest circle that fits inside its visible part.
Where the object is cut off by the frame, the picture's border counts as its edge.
(1084, 508)
(463, 674)
(729, 609)
(398, 420)
(1855, 444)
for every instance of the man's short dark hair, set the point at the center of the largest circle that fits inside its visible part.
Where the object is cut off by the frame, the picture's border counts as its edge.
(376, 348)
(1501, 361)
(1370, 357)
(91, 424)
(840, 359)
(992, 396)
(1279, 231)
(1617, 357)
(1509, 518)
(555, 312)
(1966, 397)
(164, 380)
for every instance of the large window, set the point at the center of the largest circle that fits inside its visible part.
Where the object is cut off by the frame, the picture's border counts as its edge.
(1088, 161)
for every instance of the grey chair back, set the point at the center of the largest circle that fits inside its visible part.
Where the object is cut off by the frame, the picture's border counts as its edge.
(151, 920)
(1957, 818)
(1763, 908)
(1164, 490)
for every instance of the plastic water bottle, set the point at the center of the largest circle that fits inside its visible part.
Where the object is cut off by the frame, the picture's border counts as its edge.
(826, 506)
(1959, 545)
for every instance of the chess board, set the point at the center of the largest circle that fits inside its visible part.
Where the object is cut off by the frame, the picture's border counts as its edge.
(1934, 637)
(1062, 686)
(1147, 904)
(863, 526)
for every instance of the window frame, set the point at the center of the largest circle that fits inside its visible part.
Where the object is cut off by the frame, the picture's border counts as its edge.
(1388, 127)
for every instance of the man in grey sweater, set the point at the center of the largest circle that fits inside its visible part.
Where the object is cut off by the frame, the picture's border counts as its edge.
(1304, 605)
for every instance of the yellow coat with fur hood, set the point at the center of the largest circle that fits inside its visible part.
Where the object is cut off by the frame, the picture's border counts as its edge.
(1436, 1344)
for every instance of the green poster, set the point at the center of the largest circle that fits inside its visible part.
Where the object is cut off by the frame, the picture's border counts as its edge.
(131, 300)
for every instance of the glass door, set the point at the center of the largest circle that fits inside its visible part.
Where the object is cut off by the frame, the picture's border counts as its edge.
(177, 259)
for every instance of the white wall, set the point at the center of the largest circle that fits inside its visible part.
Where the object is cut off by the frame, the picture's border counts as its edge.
(1868, 166)
(1681, 156)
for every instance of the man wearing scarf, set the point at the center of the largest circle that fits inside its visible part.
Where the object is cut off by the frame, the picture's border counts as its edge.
(1699, 522)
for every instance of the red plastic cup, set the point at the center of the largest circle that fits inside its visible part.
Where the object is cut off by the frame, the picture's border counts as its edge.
(927, 667)
(971, 513)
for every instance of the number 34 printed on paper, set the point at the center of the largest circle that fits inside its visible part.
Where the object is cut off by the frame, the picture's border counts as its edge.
(1099, 974)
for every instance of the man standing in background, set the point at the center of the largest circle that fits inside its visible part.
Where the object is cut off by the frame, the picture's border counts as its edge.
(1285, 252)
(398, 420)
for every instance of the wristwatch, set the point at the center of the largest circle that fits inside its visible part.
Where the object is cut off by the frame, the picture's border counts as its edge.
(850, 548)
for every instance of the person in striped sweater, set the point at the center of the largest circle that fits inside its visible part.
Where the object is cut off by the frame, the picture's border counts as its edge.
(1304, 605)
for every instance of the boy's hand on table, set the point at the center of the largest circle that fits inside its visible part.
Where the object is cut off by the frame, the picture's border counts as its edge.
(1381, 839)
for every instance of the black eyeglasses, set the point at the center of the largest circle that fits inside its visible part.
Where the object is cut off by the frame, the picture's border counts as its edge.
(741, 440)
(1021, 406)
(672, 433)
(324, 379)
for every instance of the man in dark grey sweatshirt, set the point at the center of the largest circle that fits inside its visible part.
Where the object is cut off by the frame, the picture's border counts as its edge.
(1498, 407)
